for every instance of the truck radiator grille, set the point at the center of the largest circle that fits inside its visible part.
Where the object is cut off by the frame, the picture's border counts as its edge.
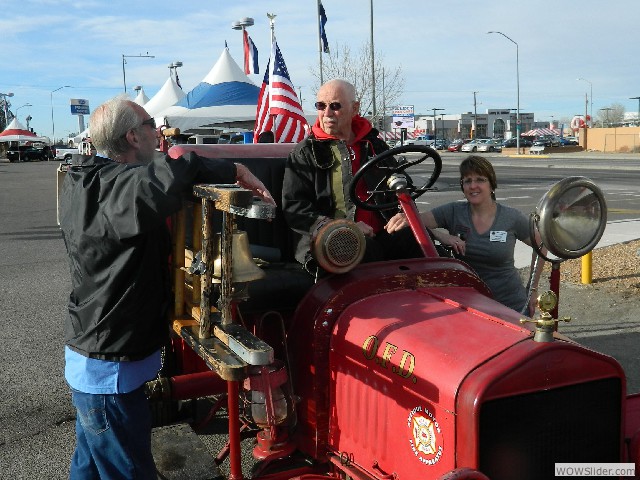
(523, 436)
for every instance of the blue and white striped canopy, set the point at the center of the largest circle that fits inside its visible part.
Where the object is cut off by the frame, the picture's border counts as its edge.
(225, 95)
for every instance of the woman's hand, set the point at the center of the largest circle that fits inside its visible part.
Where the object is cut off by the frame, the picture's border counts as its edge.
(456, 243)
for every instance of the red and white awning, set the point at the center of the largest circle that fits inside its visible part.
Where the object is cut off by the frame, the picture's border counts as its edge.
(536, 132)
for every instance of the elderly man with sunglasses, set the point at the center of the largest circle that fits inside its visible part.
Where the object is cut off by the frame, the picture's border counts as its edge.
(113, 212)
(319, 171)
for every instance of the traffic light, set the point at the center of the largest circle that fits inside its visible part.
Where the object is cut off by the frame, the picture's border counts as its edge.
(380, 123)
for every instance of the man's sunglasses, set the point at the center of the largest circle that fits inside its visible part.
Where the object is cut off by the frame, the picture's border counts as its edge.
(150, 121)
(335, 106)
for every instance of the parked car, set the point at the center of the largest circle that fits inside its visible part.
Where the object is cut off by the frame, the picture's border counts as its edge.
(472, 146)
(493, 145)
(547, 141)
(512, 143)
(420, 140)
(456, 145)
(426, 143)
(564, 141)
(441, 144)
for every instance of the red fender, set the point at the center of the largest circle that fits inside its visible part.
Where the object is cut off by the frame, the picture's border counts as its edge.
(634, 451)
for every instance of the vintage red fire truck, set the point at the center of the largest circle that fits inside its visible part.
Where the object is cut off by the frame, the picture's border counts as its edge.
(403, 369)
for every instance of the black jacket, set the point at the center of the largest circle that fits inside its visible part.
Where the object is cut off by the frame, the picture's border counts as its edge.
(113, 219)
(306, 191)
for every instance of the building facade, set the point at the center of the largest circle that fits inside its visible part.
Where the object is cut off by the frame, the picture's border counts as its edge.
(495, 123)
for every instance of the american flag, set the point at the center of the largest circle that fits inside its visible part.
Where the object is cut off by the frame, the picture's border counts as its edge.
(279, 109)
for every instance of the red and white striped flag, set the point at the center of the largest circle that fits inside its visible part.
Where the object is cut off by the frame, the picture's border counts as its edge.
(250, 55)
(279, 110)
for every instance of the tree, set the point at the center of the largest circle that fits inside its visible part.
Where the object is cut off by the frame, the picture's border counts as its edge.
(356, 68)
(611, 115)
(4, 107)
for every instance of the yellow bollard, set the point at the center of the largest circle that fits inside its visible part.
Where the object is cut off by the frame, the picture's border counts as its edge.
(586, 274)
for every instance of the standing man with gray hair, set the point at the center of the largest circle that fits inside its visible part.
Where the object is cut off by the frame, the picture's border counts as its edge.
(319, 171)
(113, 213)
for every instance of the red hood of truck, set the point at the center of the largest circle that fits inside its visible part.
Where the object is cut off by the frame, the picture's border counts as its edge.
(397, 361)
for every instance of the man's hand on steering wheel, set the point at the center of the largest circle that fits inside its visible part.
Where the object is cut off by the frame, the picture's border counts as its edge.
(393, 171)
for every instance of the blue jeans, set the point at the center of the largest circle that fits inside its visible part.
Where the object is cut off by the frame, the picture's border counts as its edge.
(113, 437)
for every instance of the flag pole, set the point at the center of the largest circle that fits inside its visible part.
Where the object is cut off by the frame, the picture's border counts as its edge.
(373, 70)
(320, 43)
(272, 24)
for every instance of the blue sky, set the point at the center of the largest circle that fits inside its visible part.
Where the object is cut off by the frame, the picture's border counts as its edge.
(442, 47)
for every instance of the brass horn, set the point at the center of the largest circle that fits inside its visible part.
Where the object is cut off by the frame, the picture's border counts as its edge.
(244, 268)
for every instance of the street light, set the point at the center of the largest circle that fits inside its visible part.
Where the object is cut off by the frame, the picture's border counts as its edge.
(435, 130)
(517, 89)
(638, 118)
(173, 68)
(607, 110)
(25, 105)
(590, 96)
(6, 107)
(242, 23)
(53, 125)
(124, 77)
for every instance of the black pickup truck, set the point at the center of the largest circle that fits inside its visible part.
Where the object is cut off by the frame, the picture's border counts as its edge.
(29, 153)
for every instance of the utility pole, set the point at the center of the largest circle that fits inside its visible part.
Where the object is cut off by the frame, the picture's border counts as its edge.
(638, 117)
(475, 118)
(435, 130)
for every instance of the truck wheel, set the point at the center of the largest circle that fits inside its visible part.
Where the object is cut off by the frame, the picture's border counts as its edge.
(67, 158)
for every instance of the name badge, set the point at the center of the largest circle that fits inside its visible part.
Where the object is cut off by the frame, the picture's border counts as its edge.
(498, 236)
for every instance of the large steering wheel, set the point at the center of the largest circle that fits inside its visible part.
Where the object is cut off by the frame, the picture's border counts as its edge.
(393, 168)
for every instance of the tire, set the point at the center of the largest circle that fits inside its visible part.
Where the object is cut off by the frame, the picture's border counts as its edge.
(67, 158)
(475, 149)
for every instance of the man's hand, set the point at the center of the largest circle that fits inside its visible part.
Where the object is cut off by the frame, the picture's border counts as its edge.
(248, 180)
(366, 229)
(397, 222)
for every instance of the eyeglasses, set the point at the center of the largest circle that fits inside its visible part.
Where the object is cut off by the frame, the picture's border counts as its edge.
(150, 121)
(335, 106)
(479, 181)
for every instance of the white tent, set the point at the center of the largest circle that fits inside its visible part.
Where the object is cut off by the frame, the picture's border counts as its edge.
(168, 95)
(141, 99)
(225, 95)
